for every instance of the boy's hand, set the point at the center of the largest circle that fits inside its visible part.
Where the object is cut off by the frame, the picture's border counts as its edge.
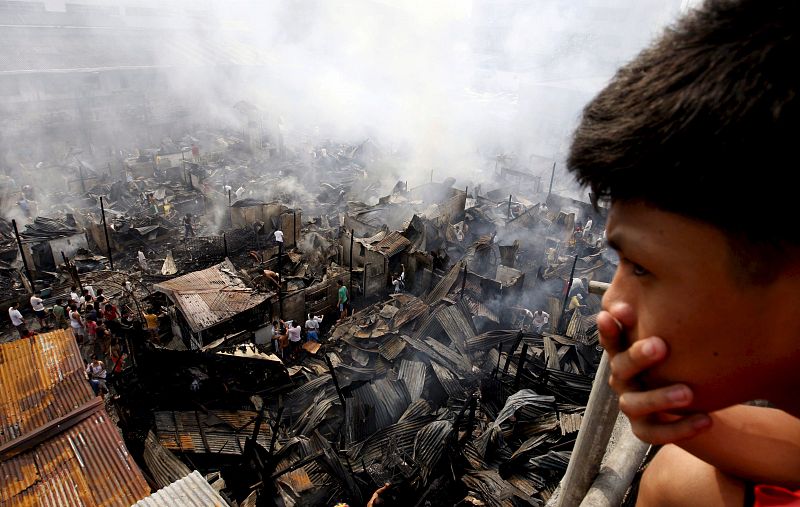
(648, 410)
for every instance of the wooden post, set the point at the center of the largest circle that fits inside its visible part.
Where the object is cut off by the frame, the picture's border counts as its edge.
(294, 227)
(517, 341)
(598, 422)
(523, 355)
(463, 282)
(508, 217)
(22, 253)
(225, 244)
(619, 469)
(552, 177)
(105, 231)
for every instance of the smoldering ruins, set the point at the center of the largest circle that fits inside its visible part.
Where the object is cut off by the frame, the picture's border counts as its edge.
(152, 174)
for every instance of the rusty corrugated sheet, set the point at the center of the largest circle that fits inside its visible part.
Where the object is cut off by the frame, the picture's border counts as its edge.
(409, 312)
(164, 467)
(40, 380)
(392, 244)
(87, 464)
(445, 284)
(193, 490)
(211, 296)
(218, 431)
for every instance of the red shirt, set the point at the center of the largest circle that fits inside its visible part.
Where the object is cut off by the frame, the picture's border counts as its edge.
(775, 496)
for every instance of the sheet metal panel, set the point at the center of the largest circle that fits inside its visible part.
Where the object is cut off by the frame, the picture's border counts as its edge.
(211, 296)
(87, 464)
(193, 490)
(40, 380)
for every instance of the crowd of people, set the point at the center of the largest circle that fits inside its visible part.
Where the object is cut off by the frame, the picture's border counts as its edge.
(97, 323)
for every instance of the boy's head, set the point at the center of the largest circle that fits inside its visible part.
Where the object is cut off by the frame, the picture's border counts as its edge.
(679, 143)
(703, 122)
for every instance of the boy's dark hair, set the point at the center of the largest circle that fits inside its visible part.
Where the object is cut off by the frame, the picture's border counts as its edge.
(693, 124)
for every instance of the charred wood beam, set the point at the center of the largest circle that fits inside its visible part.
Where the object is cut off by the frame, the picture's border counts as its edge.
(341, 396)
(561, 323)
(105, 231)
(522, 357)
(511, 352)
(22, 254)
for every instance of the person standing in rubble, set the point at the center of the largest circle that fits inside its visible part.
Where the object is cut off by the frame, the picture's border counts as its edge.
(540, 320)
(312, 328)
(76, 323)
(342, 302)
(195, 154)
(279, 238)
(60, 314)
(151, 324)
(96, 374)
(187, 226)
(38, 309)
(16, 319)
(293, 331)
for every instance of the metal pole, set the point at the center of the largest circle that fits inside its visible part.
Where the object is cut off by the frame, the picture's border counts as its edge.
(566, 296)
(105, 230)
(225, 244)
(352, 240)
(364, 280)
(552, 177)
(294, 227)
(280, 281)
(22, 253)
(509, 207)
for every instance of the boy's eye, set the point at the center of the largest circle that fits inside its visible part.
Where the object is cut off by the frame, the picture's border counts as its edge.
(639, 270)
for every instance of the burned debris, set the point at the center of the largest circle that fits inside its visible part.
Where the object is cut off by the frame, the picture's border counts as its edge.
(281, 326)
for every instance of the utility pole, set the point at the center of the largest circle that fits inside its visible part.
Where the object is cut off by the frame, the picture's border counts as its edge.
(22, 253)
(105, 230)
(552, 177)
(566, 296)
(509, 207)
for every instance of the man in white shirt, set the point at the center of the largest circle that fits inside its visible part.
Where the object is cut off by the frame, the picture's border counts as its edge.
(540, 320)
(312, 328)
(38, 308)
(16, 319)
(279, 236)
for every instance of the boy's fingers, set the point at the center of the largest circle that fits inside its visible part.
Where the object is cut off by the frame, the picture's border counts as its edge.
(655, 432)
(640, 356)
(640, 404)
(610, 332)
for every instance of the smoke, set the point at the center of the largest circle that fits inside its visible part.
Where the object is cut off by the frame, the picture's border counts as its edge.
(449, 84)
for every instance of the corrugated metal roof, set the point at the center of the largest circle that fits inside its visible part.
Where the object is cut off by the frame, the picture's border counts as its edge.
(412, 373)
(443, 287)
(392, 244)
(218, 431)
(164, 467)
(409, 312)
(87, 464)
(211, 296)
(40, 380)
(192, 490)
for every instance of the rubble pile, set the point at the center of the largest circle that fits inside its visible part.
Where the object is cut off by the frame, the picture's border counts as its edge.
(434, 376)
